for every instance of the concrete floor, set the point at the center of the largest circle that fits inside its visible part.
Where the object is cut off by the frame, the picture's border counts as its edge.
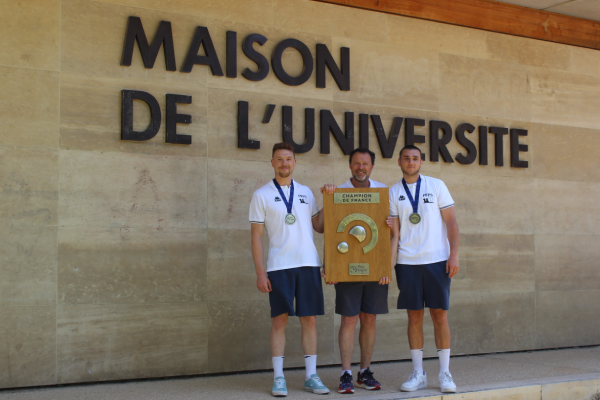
(468, 371)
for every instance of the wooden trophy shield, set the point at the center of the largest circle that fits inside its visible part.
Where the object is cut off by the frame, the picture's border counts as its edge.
(357, 238)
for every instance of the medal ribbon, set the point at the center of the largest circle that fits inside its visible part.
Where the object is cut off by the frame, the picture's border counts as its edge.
(287, 205)
(414, 203)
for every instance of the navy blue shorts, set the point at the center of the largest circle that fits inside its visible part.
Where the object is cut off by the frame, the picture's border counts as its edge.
(426, 284)
(352, 298)
(303, 284)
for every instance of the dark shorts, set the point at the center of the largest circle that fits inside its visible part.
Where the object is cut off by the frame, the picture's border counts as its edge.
(426, 284)
(303, 284)
(352, 298)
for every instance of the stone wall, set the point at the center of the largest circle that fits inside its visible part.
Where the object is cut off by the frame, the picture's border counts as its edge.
(125, 260)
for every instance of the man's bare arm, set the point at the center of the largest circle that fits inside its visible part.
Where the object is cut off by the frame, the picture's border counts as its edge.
(262, 281)
(453, 237)
(394, 237)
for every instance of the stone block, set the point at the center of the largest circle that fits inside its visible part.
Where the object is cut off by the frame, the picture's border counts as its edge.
(526, 51)
(567, 318)
(92, 40)
(496, 263)
(437, 37)
(233, 184)
(566, 262)
(93, 122)
(131, 265)
(559, 204)
(589, 389)
(486, 322)
(28, 182)
(564, 98)
(556, 147)
(485, 88)
(518, 393)
(125, 190)
(302, 16)
(130, 341)
(584, 61)
(491, 206)
(29, 107)
(392, 75)
(28, 335)
(30, 34)
(29, 263)
(249, 324)
(223, 126)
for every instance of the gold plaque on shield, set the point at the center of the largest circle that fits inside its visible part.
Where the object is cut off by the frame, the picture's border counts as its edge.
(357, 238)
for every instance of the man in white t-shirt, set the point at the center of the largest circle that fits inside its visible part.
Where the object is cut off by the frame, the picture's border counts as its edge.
(287, 211)
(359, 300)
(425, 254)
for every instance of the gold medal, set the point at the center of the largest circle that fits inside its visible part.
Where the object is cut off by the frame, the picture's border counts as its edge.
(414, 218)
(290, 219)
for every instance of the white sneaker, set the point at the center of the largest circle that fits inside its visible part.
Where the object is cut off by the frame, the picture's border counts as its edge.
(446, 383)
(415, 381)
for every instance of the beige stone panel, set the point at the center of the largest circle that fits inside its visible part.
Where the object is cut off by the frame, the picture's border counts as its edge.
(29, 107)
(291, 60)
(438, 37)
(486, 88)
(567, 318)
(559, 147)
(588, 389)
(28, 336)
(496, 263)
(491, 206)
(223, 126)
(485, 322)
(28, 183)
(260, 12)
(131, 265)
(28, 268)
(565, 208)
(564, 98)
(91, 116)
(330, 20)
(92, 40)
(133, 341)
(249, 324)
(30, 34)
(518, 393)
(490, 170)
(232, 184)
(526, 51)
(392, 75)
(124, 190)
(585, 61)
(566, 262)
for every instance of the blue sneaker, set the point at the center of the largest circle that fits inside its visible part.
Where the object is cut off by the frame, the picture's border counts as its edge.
(279, 387)
(315, 385)
(346, 385)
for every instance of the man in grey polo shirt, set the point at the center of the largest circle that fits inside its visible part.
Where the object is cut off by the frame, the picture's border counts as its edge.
(359, 300)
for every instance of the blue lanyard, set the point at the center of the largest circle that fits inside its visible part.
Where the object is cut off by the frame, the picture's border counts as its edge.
(288, 205)
(414, 203)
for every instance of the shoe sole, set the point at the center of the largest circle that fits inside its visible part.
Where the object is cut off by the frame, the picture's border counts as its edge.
(279, 394)
(317, 391)
(360, 385)
(346, 391)
(448, 390)
(403, 389)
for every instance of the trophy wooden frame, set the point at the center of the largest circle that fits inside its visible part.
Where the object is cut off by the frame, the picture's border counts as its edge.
(357, 238)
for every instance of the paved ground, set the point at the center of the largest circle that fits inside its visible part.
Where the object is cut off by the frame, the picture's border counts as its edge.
(470, 371)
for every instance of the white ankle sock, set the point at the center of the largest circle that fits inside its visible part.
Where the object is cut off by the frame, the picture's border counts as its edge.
(444, 356)
(417, 359)
(277, 366)
(310, 362)
(346, 370)
(363, 370)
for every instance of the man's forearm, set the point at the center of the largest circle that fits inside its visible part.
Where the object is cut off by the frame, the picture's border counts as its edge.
(394, 249)
(257, 255)
(453, 238)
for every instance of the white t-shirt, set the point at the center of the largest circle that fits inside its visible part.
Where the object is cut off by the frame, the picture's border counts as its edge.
(374, 184)
(427, 241)
(290, 246)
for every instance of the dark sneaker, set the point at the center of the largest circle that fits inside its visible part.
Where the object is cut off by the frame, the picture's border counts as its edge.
(346, 385)
(367, 381)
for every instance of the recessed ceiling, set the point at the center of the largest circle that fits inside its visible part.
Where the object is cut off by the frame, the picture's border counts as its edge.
(588, 9)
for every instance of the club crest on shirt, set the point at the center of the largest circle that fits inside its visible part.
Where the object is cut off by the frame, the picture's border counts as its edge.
(303, 201)
(428, 198)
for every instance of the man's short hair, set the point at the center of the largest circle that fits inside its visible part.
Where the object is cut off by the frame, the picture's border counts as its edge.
(362, 150)
(283, 146)
(410, 147)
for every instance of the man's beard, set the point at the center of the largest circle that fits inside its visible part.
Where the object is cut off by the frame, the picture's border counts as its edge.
(366, 178)
(411, 174)
(284, 174)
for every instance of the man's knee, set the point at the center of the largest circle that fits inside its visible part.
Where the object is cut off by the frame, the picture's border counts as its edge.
(279, 322)
(439, 316)
(415, 317)
(308, 322)
(368, 319)
(349, 322)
